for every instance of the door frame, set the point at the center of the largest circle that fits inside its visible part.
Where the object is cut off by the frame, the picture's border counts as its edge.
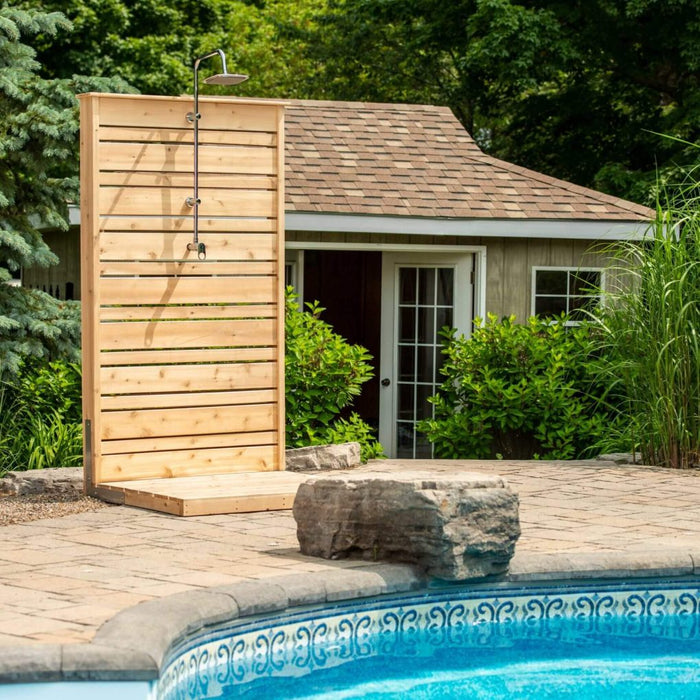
(464, 291)
(410, 253)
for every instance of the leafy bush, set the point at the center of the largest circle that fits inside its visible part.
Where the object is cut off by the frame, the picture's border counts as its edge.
(515, 391)
(40, 418)
(324, 373)
(648, 334)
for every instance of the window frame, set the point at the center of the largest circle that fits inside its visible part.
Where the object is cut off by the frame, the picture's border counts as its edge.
(568, 269)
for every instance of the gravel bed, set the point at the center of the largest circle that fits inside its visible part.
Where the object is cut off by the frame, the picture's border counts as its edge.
(22, 509)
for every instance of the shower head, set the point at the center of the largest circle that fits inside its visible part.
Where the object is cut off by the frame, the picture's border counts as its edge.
(225, 79)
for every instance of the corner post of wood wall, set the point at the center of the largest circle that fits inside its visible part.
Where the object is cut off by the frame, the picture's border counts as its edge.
(89, 247)
(281, 418)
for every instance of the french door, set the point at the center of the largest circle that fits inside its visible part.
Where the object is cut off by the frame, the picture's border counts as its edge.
(421, 294)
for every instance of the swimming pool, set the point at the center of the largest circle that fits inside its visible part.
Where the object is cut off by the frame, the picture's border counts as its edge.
(598, 640)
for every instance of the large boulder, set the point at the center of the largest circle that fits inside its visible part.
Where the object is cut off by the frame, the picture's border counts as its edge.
(456, 528)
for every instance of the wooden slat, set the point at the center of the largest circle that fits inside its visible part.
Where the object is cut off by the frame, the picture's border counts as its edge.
(182, 463)
(157, 157)
(187, 290)
(164, 378)
(172, 113)
(170, 201)
(186, 135)
(188, 442)
(117, 425)
(148, 313)
(209, 355)
(159, 225)
(126, 402)
(129, 178)
(181, 268)
(173, 246)
(141, 335)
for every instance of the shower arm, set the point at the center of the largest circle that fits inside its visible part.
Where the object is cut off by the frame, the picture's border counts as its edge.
(193, 117)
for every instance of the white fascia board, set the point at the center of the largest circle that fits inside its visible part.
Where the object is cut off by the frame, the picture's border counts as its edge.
(488, 228)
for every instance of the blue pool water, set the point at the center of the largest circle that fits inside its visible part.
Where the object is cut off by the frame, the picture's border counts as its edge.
(590, 643)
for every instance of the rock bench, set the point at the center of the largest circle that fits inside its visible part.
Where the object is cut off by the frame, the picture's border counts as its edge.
(456, 529)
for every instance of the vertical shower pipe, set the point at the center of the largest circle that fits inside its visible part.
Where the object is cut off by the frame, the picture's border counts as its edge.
(224, 78)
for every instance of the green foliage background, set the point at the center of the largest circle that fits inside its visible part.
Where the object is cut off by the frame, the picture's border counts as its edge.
(323, 374)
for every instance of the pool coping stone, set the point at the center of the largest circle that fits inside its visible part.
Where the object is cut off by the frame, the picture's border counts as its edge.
(133, 645)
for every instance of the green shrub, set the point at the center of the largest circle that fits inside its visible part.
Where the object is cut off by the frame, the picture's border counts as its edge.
(516, 392)
(323, 374)
(40, 418)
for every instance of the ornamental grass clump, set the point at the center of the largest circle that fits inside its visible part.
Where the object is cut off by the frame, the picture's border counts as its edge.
(647, 331)
(41, 417)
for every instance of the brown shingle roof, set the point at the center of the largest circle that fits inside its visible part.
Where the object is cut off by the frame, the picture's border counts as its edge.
(418, 160)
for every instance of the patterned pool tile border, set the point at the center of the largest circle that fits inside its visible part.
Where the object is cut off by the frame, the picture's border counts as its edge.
(322, 637)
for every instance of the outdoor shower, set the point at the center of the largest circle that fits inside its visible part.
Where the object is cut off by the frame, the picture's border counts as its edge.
(223, 78)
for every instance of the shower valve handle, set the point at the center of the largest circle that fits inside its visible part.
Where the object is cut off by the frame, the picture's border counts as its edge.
(191, 201)
(191, 116)
(201, 251)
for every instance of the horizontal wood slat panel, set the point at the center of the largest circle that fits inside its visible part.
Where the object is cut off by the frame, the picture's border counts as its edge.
(122, 201)
(253, 160)
(176, 224)
(186, 135)
(206, 268)
(165, 378)
(132, 402)
(117, 425)
(189, 462)
(121, 358)
(141, 335)
(188, 442)
(187, 290)
(129, 178)
(172, 113)
(173, 246)
(149, 313)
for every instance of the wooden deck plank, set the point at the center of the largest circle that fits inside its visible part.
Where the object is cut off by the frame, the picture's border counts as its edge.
(244, 492)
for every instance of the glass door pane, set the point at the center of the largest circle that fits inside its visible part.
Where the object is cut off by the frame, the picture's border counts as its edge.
(425, 305)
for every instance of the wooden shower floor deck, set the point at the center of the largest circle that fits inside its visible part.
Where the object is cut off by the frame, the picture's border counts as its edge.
(213, 494)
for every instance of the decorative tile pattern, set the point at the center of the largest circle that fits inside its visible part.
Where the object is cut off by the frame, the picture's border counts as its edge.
(296, 644)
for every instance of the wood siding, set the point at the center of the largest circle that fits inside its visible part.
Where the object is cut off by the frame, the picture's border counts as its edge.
(183, 364)
(509, 261)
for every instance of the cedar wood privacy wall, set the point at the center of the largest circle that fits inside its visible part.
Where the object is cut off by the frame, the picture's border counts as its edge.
(183, 359)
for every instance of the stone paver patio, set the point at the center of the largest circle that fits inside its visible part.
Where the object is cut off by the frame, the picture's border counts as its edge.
(60, 579)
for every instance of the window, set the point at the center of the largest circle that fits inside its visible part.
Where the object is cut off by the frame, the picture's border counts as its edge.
(558, 290)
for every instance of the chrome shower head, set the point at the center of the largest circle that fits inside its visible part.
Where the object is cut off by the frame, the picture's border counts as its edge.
(225, 79)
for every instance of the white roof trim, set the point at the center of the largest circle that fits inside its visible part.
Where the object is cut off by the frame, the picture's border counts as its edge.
(506, 228)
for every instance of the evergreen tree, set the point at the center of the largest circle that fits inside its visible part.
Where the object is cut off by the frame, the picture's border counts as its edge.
(39, 147)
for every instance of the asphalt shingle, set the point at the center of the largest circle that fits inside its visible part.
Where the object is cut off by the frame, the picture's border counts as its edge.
(418, 160)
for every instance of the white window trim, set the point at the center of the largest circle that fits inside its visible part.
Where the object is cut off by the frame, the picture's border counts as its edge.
(562, 268)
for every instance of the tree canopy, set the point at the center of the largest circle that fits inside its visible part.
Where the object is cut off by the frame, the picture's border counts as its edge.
(38, 179)
(578, 89)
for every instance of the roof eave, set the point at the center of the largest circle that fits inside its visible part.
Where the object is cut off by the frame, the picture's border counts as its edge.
(582, 229)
